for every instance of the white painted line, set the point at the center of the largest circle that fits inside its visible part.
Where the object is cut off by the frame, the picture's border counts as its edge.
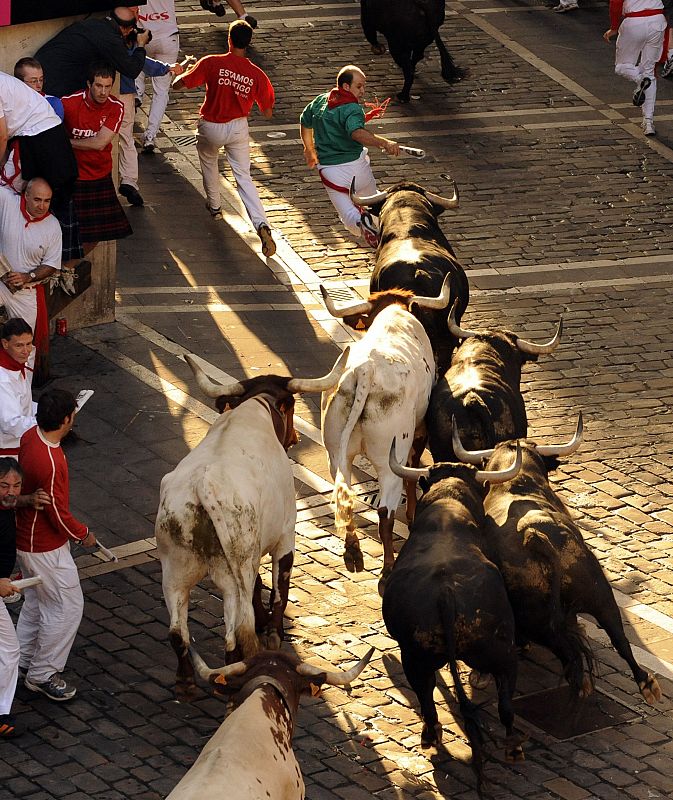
(212, 308)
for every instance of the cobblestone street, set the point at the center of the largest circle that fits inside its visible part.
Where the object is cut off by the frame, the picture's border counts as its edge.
(565, 209)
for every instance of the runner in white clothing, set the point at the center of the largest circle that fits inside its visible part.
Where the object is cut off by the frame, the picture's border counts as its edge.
(640, 25)
(158, 16)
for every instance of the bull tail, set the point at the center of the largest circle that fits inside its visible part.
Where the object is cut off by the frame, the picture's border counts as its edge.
(567, 633)
(237, 605)
(474, 728)
(343, 496)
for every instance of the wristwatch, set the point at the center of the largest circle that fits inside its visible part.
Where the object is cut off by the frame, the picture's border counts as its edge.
(32, 275)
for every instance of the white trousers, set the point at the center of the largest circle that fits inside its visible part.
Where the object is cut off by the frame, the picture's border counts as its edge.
(235, 139)
(164, 49)
(19, 304)
(51, 612)
(128, 155)
(9, 660)
(644, 37)
(342, 175)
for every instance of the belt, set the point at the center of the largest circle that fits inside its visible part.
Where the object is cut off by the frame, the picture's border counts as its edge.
(649, 12)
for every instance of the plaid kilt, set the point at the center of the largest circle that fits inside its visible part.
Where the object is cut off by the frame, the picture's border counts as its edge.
(100, 215)
(64, 211)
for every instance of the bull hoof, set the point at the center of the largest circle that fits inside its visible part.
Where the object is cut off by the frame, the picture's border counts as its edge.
(402, 98)
(650, 690)
(514, 754)
(479, 680)
(185, 690)
(587, 686)
(378, 49)
(353, 558)
(431, 737)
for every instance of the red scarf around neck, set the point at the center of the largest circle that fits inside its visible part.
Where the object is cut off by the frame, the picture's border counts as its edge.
(27, 216)
(341, 97)
(10, 363)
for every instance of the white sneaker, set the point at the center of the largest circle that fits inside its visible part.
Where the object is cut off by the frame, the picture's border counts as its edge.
(561, 8)
(648, 127)
(667, 67)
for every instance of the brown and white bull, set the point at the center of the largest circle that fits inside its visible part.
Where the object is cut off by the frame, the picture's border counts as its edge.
(550, 573)
(250, 756)
(383, 394)
(227, 504)
(482, 389)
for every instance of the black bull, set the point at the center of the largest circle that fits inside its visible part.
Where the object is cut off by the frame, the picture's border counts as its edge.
(415, 254)
(409, 27)
(445, 600)
(550, 573)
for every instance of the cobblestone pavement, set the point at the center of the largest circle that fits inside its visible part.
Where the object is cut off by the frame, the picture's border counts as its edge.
(564, 210)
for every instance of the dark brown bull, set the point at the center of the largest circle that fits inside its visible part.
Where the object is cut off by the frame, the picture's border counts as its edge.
(415, 254)
(445, 599)
(550, 573)
(482, 390)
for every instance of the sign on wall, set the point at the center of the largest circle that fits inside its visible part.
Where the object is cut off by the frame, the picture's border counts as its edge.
(16, 12)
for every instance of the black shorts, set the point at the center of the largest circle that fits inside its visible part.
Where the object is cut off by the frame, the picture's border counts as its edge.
(49, 155)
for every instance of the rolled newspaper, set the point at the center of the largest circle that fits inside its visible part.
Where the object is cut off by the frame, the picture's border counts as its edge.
(416, 152)
(24, 583)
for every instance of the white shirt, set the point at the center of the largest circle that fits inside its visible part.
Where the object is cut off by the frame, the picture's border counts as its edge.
(26, 248)
(17, 410)
(26, 112)
(159, 17)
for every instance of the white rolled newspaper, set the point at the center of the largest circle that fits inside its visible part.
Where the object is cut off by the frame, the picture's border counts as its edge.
(24, 583)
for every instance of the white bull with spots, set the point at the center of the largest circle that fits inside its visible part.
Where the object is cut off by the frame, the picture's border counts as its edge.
(227, 504)
(383, 394)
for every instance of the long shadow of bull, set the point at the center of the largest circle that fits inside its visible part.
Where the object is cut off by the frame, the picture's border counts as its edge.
(409, 27)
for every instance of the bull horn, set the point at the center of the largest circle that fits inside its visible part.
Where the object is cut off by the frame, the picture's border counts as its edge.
(370, 200)
(324, 383)
(567, 448)
(454, 327)
(408, 473)
(540, 349)
(445, 202)
(467, 456)
(337, 678)
(442, 301)
(502, 475)
(342, 309)
(211, 675)
(209, 387)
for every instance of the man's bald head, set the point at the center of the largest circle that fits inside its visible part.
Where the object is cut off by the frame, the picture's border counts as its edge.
(38, 197)
(353, 80)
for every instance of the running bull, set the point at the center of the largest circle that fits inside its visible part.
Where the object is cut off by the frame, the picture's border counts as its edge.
(250, 756)
(383, 393)
(550, 573)
(228, 503)
(482, 390)
(445, 600)
(409, 26)
(415, 254)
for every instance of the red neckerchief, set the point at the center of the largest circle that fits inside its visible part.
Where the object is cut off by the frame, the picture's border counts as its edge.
(27, 216)
(341, 97)
(9, 363)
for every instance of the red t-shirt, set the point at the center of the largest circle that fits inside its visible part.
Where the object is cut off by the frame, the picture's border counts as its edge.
(83, 119)
(232, 83)
(45, 467)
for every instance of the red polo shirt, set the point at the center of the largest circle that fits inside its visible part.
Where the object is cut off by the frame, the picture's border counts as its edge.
(233, 85)
(83, 119)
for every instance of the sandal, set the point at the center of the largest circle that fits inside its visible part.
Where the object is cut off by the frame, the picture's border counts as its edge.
(8, 729)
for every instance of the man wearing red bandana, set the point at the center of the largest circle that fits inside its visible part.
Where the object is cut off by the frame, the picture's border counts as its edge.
(17, 410)
(335, 141)
(30, 248)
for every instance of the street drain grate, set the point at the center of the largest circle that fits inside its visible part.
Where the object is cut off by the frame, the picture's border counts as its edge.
(562, 715)
(184, 141)
(342, 295)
